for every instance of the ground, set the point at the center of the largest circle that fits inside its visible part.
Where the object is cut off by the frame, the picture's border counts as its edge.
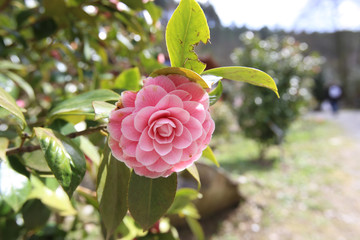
(310, 192)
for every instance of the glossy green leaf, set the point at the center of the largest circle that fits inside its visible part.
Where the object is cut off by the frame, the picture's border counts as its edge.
(56, 199)
(112, 189)
(7, 102)
(90, 150)
(82, 104)
(4, 143)
(102, 109)
(8, 65)
(196, 228)
(195, 174)
(186, 28)
(149, 199)
(14, 187)
(35, 214)
(193, 76)
(44, 28)
(153, 10)
(208, 153)
(129, 79)
(215, 94)
(245, 74)
(183, 197)
(35, 160)
(64, 158)
(22, 84)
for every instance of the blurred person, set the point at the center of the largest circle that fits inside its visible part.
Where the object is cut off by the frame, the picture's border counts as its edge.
(334, 94)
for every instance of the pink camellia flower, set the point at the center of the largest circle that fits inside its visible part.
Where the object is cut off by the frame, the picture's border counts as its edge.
(163, 128)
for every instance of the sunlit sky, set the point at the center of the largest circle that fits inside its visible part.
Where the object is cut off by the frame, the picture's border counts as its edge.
(289, 14)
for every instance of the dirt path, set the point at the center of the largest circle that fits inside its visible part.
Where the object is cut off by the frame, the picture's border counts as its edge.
(336, 212)
(344, 197)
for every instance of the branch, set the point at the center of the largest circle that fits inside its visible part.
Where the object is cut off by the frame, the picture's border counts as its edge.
(23, 149)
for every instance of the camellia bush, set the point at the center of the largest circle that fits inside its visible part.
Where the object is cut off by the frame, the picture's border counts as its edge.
(293, 68)
(82, 149)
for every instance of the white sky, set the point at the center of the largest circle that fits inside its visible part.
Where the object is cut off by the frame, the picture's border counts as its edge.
(285, 13)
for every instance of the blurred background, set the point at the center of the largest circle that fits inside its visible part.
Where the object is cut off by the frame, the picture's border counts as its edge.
(289, 166)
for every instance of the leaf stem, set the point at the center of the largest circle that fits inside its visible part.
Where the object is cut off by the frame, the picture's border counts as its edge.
(23, 149)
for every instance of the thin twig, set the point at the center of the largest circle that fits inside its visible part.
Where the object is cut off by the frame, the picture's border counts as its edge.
(23, 149)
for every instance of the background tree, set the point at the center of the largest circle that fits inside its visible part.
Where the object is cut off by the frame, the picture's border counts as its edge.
(260, 117)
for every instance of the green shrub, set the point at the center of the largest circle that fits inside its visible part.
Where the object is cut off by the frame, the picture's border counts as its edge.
(260, 116)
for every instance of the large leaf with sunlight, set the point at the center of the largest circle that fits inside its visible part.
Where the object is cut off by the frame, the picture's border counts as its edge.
(7, 102)
(64, 158)
(245, 74)
(149, 199)
(186, 28)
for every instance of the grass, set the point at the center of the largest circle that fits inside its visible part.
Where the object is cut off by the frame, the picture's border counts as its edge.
(285, 196)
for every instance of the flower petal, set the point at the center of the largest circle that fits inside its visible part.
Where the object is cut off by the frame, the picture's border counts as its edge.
(128, 146)
(179, 113)
(178, 126)
(146, 157)
(183, 95)
(143, 171)
(184, 140)
(149, 96)
(159, 166)
(198, 94)
(173, 156)
(142, 117)
(161, 81)
(195, 128)
(157, 115)
(169, 101)
(162, 149)
(115, 148)
(184, 164)
(178, 79)
(128, 129)
(145, 142)
(195, 110)
(115, 121)
(128, 98)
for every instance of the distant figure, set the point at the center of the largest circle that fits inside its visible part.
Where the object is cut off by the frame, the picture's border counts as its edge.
(334, 94)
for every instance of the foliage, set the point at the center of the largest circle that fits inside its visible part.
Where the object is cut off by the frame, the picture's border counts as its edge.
(292, 67)
(60, 78)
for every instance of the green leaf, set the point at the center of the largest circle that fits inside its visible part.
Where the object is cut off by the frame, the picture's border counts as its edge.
(129, 79)
(193, 76)
(154, 11)
(21, 83)
(245, 74)
(7, 102)
(14, 187)
(82, 104)
(149, 199)
(64, 158)
(208, 153)
(183, 197)
(196, 228)
(186, 28)
(8, 65)
(35, 214)
(35, 160)
(112, 189)
(215, 94)
(102, 109)
(195, 174)
(4, 143)
(90, 150)
(56, 199)
(44, 28)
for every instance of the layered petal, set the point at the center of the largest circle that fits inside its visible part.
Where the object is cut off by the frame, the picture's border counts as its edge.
(163, 128)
